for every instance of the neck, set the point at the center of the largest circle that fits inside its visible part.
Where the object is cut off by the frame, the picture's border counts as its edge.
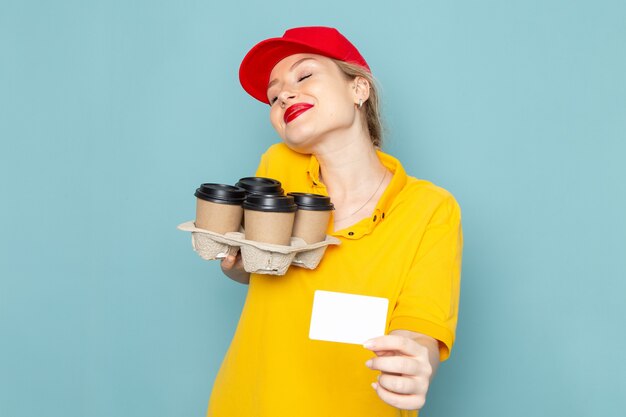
(347, 163)
(354, 176)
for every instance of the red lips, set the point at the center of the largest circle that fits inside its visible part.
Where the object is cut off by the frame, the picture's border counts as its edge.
(295, 110)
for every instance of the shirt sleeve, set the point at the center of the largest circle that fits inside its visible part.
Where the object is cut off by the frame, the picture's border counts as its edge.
(429, 300)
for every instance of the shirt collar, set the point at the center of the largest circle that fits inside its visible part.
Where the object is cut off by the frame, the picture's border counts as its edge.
(367, 225)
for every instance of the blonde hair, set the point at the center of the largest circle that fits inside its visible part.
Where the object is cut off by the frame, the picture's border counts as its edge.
(371, 105)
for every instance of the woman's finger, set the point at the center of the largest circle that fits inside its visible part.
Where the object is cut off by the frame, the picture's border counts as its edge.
(228, 262)
(398, 365)
(401, 401)
(401, 384)
(401, 344)
(385, 353)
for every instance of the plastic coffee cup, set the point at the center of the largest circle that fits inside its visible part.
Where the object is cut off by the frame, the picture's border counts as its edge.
(312, 217)
(261, 185)
(269, 218)
(219, 207)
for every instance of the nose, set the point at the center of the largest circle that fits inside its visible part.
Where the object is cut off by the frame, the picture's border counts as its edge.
(285, 96)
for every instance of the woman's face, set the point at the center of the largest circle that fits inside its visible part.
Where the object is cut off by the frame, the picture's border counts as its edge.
(310, 99)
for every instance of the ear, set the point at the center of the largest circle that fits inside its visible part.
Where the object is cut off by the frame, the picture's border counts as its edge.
(361, 89)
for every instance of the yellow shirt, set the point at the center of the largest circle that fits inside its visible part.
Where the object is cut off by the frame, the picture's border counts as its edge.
(408, 251)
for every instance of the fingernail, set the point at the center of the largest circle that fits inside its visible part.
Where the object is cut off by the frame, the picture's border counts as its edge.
(369, 344)
(374, 385)
(368, 363)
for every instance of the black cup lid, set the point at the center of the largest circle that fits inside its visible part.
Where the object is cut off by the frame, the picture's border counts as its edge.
(261, 185)
(221, 193)
(313, 202)
(272, 203)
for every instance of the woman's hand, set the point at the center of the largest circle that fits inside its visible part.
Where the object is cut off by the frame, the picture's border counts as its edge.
(232, 267)
(407, 361)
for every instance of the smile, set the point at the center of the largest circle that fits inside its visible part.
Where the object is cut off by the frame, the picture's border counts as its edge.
(295, 110)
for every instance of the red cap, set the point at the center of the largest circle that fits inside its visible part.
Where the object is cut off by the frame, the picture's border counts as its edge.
(255, 69)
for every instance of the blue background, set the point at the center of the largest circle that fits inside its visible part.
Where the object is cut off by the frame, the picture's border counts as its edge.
(111, 113)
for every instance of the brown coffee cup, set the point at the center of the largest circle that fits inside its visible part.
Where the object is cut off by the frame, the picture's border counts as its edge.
(312, 217)
(259, 185)
(269, 218)
(219, 207)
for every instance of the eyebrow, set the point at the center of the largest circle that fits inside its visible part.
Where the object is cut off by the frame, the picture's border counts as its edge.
(295, 64)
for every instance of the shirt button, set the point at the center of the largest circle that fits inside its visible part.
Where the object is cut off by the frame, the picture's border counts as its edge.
(383, 215)
(350, 233)
(374, 219)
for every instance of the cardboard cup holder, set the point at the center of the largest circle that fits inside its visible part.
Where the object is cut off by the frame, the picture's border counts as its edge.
(258, 257)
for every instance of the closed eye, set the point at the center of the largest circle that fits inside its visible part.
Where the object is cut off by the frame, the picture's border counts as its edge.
(304, 77)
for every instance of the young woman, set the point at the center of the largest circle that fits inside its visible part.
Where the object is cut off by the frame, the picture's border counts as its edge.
(400, 239)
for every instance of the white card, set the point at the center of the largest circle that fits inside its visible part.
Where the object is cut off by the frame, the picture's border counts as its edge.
(347, 318)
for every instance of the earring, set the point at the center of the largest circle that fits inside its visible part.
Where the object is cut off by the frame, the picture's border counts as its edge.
(360, 103)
